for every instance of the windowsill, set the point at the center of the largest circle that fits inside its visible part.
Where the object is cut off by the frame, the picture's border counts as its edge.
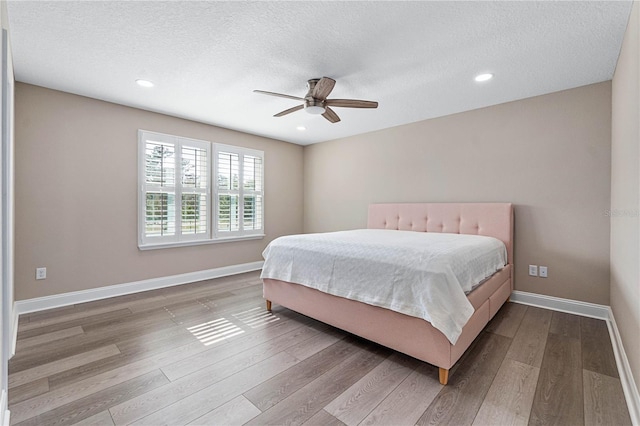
(200, 242)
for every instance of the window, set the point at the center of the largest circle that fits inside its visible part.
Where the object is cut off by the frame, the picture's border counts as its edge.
(238, 190)
(183, 203)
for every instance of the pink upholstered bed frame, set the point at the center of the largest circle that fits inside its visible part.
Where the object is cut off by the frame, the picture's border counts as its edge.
(410, 335)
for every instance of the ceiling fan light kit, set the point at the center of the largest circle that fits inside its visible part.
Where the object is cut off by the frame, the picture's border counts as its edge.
(315, 101)
(314, 106)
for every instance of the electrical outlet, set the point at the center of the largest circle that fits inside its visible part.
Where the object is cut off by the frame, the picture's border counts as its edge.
(543, 272)
(533, 270)
(41, 273)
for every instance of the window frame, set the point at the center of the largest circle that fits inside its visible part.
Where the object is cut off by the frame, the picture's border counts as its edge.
(212, 235)
(241, 192)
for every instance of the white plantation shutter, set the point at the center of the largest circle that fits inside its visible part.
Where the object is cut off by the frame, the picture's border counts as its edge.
(239, 191)
(160, 189)
(174, 190)
(190, 196)
(195, 189)
(228, 191)
(252, 197)
(195, 192)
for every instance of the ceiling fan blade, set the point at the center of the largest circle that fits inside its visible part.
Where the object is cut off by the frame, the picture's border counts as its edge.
(289, 111)
(323, 88)
(351, 103)
(280, 95)
(331, 115)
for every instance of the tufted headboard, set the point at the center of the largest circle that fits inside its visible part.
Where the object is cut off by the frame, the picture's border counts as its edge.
(489, 219)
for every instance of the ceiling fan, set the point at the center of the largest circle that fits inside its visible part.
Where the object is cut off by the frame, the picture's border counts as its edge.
(316, 102)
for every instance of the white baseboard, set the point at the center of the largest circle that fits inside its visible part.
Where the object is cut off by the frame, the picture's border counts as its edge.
(4, 412)
(66, 299)
(624, 371)
(602, 312)
(576, 307)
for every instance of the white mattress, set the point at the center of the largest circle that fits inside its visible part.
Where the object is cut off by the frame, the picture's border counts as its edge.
(420, 274)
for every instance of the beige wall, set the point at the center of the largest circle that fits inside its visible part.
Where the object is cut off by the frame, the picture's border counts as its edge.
(76, 194)
(550, 155)
(625, 194)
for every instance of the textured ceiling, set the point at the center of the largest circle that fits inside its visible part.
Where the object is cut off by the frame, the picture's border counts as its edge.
(417, 59)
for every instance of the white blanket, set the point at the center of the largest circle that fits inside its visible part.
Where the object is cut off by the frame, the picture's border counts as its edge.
(420, 274)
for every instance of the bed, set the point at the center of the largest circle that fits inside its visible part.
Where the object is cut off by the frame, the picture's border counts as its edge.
(409, 334)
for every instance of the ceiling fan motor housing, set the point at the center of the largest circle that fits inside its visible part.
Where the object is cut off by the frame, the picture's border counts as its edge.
(312, 105)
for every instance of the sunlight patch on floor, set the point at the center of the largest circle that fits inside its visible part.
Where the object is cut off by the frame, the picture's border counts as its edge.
(256, 317)
(215, 331)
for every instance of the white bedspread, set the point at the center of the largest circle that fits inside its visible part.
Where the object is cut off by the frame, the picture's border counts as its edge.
(420, 274)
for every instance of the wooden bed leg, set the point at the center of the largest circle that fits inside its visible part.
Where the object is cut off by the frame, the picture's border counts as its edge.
(444, 376)
(269, 305)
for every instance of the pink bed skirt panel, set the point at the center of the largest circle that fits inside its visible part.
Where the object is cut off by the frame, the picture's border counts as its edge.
(412, 336)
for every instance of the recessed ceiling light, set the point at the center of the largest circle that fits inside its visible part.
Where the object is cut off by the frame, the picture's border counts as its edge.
(301, 128)
(483, 77)
(144, 83)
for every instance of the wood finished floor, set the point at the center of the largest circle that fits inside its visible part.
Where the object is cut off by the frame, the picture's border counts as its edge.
(209, 354)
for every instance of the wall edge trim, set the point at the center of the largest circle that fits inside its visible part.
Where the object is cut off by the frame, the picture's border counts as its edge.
(603, 312)
(14, 329)
(82, 296)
